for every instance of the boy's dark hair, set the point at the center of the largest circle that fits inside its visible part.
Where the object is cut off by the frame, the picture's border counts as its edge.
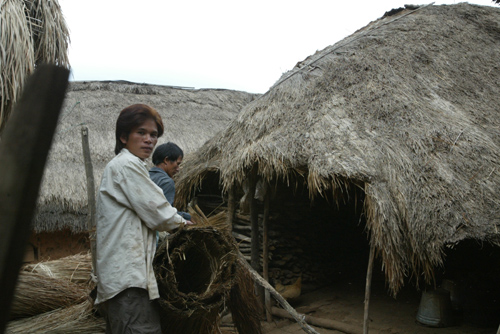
(133, 116)
(168, 150)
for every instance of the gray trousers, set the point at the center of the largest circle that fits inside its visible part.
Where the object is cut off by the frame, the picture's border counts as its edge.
(131, 312)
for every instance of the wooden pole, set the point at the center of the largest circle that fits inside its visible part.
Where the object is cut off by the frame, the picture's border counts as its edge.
(369, 272)
(26, 141)
(265, 253)
(254, 222)
(255, 242)
(231, 206)
(89, 172)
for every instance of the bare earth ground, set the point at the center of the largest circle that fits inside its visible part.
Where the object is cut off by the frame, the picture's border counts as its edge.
(345, 303)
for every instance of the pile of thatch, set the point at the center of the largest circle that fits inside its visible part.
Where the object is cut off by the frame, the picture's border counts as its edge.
(52, 297)
(75, 268)
(197, 270)
(38, 293)
(78, 318)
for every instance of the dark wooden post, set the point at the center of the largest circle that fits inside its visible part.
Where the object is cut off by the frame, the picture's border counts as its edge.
(89, 172)
(254, 221)
(369, 272)
(25, 143)
(265, 252)
(231, 206)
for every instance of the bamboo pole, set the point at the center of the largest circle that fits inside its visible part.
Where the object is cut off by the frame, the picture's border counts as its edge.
(368, 287)
(89, 172)
(265, 253)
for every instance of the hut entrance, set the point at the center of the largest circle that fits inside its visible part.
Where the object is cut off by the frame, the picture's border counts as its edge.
(323, 241)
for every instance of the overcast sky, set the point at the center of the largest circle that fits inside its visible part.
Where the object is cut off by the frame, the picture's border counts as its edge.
(240, 45)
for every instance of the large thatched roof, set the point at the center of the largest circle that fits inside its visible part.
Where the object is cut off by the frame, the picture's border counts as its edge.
(408, 109)
(190, 118)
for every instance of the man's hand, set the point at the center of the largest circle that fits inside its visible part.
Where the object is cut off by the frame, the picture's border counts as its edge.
(188, 222)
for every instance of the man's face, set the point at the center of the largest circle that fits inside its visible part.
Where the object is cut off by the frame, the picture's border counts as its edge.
(172, 167)
(142, 139)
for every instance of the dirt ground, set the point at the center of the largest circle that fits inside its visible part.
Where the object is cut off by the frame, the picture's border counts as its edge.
(344, 303)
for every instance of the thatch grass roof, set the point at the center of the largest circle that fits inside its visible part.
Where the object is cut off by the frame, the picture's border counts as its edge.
(406, 108)
(31, 33)
(190, 118)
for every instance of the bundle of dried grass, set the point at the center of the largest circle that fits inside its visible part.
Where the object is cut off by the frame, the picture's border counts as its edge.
(218, 221)
(78, 318)
(36, 294)
(195, 270)
(74, 268)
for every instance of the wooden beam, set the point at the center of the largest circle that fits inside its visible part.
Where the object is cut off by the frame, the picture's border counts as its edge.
(25, 143)
(265, 253)
(368, 288)
(231, 207)
(89, 172)
(254, 222)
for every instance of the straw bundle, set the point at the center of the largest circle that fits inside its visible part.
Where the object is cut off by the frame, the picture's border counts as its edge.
(218, 221)
(74, 268)
(36, 294)
(78, 318)
(195, 269)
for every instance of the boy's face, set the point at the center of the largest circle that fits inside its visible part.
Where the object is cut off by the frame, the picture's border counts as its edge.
(142, 139)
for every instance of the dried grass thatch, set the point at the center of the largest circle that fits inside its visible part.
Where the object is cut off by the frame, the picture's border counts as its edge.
(190, 118)
(77, 318)
(36, 294)
(75, 268)
(32, 32)
(196, 269)
(406, 109)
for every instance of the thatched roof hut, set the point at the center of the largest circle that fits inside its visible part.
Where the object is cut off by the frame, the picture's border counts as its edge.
(190, 118)
(405, 109)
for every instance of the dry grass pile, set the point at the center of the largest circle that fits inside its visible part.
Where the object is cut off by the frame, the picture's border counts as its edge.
(196, 270)
(36, 294)
(217, 221)
(74, 268)
(77, 318)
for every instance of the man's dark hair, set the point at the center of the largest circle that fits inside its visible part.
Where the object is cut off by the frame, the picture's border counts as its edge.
(168, 150)
(134, 116)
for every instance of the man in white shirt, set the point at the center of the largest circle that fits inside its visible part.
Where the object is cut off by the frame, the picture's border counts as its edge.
(130, 209)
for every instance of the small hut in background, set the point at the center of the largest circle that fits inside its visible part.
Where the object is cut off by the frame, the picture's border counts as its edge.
(190, 117)
(388, 139)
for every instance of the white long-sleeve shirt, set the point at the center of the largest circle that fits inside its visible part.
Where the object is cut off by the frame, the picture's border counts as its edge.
(130, 208)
